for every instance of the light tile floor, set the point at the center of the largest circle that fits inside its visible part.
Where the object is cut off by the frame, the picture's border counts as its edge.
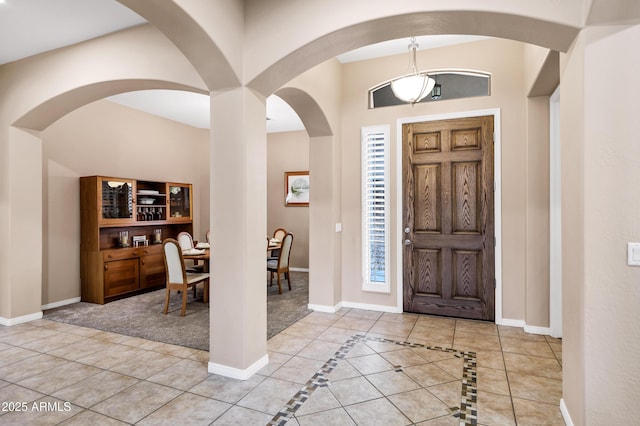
(54, 373)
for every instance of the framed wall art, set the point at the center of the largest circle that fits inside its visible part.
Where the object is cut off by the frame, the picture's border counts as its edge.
(296, 189)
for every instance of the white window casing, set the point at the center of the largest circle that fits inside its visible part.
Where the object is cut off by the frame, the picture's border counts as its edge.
(375, 209)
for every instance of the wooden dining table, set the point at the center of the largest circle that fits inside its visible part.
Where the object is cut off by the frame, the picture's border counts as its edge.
(203, 256)
(275, 246)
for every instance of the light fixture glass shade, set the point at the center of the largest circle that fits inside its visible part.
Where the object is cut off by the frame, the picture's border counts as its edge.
(412, 88)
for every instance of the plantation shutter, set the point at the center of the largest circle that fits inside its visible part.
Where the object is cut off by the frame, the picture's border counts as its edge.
(375, 209)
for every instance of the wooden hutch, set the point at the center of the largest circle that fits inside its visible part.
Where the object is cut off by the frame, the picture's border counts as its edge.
(117, 215)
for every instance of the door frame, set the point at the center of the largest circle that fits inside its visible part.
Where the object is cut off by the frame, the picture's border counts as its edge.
(497, 199)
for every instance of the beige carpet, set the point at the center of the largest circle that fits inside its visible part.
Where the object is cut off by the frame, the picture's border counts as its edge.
(141, 316)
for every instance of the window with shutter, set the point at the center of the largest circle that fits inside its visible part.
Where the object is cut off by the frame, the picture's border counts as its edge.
(375, 208)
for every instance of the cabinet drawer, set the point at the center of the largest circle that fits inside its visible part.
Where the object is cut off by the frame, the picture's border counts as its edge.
(150, 249)
(118, 254)
(121, 276)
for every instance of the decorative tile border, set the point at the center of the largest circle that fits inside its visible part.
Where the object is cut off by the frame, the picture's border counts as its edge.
(467, 412)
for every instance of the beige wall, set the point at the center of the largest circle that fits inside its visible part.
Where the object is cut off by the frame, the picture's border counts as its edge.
(288, 152)
(537, 213)
(610, 157)
(573, 287)
(534, 58)
(504, 60)
(542, 77)
(104, 138)
(316, 96)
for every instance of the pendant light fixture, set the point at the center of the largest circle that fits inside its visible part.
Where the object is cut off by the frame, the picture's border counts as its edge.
(414, 86)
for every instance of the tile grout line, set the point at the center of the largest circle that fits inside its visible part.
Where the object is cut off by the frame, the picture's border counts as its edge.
(317, 380)
(555, 355)
(368, 336)
(100, 370)
(468, 412)
(506, 374)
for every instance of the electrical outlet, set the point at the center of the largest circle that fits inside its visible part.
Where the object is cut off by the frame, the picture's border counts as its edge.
(633, 254)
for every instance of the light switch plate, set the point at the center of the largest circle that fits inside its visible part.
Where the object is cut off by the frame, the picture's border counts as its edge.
(633, 254)
(338, 227)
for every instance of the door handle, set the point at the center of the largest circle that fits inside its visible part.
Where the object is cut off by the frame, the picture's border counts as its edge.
(407, 242)
(407, 230)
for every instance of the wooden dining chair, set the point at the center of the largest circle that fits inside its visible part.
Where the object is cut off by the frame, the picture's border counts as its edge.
(177, 276)
(186, 243)
(278, 234)
(185, 240)
(281, 265)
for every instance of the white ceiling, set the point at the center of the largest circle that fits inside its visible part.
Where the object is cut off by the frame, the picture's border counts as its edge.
(193, 108)
(30, 27)
(401, 45)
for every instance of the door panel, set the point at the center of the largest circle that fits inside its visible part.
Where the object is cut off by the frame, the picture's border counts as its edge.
(428, 265)
(466, 139)
(427, 213)
(448, 210)
(467, 274)
(427, 142)
(465, 208)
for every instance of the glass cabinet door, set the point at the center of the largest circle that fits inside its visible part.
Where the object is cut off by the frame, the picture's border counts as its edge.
(116, 199)
(180, 204)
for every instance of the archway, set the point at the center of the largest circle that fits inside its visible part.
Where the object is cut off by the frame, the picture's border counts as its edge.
(38, 91)
(322, 246)
(106, 138)
(272, 72)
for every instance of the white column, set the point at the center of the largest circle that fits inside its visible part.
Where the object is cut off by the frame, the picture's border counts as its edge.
(325, 290)
(21, 286)
(238, 232)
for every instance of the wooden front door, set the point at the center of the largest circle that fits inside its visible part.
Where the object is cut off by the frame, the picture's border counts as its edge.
(448, 218)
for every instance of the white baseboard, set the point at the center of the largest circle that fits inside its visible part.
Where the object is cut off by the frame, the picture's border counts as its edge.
(299, 269)
(378, 308)
(325, 308)
(565, 413)
(20, 320)
(333, 309)
(236, 373)
(60, 303)
(511, 322)
(532, 329)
